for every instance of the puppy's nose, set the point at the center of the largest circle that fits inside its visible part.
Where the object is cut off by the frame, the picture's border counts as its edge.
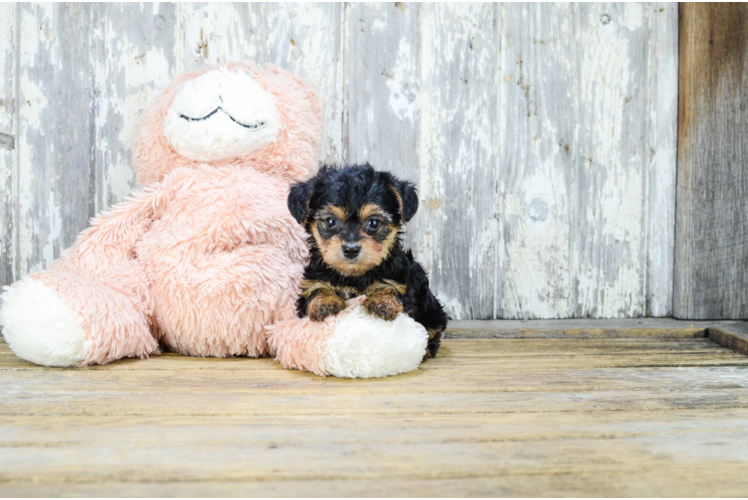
(351, 250)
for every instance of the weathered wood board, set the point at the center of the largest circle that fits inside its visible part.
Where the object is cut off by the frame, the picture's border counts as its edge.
(733, 335)
(56, 129)
(711, 258)
(663, 137)
(587, 160)
(542, 136)
(7, 140)
(458, 227)
(523, 417)
(645, 328)
(132, 62)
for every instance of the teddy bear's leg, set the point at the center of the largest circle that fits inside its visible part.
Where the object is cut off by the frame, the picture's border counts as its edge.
(350, 344)
(59, 319)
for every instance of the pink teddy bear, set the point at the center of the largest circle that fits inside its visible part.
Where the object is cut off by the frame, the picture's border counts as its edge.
(207, 254)
(206, 260)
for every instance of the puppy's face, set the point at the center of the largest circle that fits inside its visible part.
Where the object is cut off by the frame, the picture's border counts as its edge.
(354, 215)
(355, 239)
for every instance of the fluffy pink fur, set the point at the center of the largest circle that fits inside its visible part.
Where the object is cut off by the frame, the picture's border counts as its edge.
(300, 343)
(205, 256)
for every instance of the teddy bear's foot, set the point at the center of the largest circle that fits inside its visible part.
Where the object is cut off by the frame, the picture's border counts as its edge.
(59, 319)
(39, 327)
(352, 344)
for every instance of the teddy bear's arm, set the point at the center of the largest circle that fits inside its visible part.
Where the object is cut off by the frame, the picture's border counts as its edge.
(113, 234)
(281, 230)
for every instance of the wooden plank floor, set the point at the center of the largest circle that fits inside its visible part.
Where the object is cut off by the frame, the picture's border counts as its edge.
(646, 416)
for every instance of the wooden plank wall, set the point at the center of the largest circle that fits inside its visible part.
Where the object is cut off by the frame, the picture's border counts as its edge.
(711, 279)
(542, 136)
(7, 140)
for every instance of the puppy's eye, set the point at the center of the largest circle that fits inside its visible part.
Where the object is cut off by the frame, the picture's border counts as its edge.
(373, 224)
(330, 222)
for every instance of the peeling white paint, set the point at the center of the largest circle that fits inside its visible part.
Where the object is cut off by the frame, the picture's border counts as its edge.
(34, 101)
(218, 32)
(307, 39)
(8, 15)
(54, 220)
(403, 94)
(663, 137)
(7, 155)
(28, 226)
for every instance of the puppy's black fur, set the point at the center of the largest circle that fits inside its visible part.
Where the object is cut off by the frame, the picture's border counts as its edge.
(354, 216)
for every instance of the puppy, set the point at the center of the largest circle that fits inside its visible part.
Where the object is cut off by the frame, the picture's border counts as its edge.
(354, 216)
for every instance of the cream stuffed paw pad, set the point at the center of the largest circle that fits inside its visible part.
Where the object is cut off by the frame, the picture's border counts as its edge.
(351, 344)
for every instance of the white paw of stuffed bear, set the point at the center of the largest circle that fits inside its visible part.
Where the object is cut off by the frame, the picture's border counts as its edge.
(351, 344)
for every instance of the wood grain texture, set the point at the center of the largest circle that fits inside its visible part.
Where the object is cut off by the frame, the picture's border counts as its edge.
(663, 328)
(132, 62)
(56, 131)
(8, 18)
(384, 92)
(586, 214)
(538, 127)
(663, 138)
(308, 39)
(711, 258)
(541, 136)
(666, 480)
(603, 417)
(731, 335)
(613, 99)
(457, 228)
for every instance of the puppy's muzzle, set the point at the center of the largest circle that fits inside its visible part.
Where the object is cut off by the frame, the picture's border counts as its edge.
(351, 250)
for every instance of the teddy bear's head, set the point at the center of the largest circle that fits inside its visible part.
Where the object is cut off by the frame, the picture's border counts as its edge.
(231, 114)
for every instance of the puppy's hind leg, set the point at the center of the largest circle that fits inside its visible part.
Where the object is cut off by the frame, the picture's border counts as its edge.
(426, 308)
(432, 316)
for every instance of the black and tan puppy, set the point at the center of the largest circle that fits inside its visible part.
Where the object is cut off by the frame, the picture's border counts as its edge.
(354, 216)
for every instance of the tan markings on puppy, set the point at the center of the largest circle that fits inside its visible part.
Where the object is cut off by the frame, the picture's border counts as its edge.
(336, 211)
(308, 288)
(332, 254)
(326, 212)
(368, 210)
(367, 259)
(399, 200)
(390, 240)
(329, 248)
(325, 303)
(383, 305)
(433, 333)
(371, 254)
(386, 286)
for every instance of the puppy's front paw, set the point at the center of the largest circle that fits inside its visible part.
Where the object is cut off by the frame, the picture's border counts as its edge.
(325, 305)
(385, 306)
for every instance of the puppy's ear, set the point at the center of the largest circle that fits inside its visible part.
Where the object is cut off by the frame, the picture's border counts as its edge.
(408, 199)
(298, 199)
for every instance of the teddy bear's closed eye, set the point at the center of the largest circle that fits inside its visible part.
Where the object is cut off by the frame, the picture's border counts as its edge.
(253, 126)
